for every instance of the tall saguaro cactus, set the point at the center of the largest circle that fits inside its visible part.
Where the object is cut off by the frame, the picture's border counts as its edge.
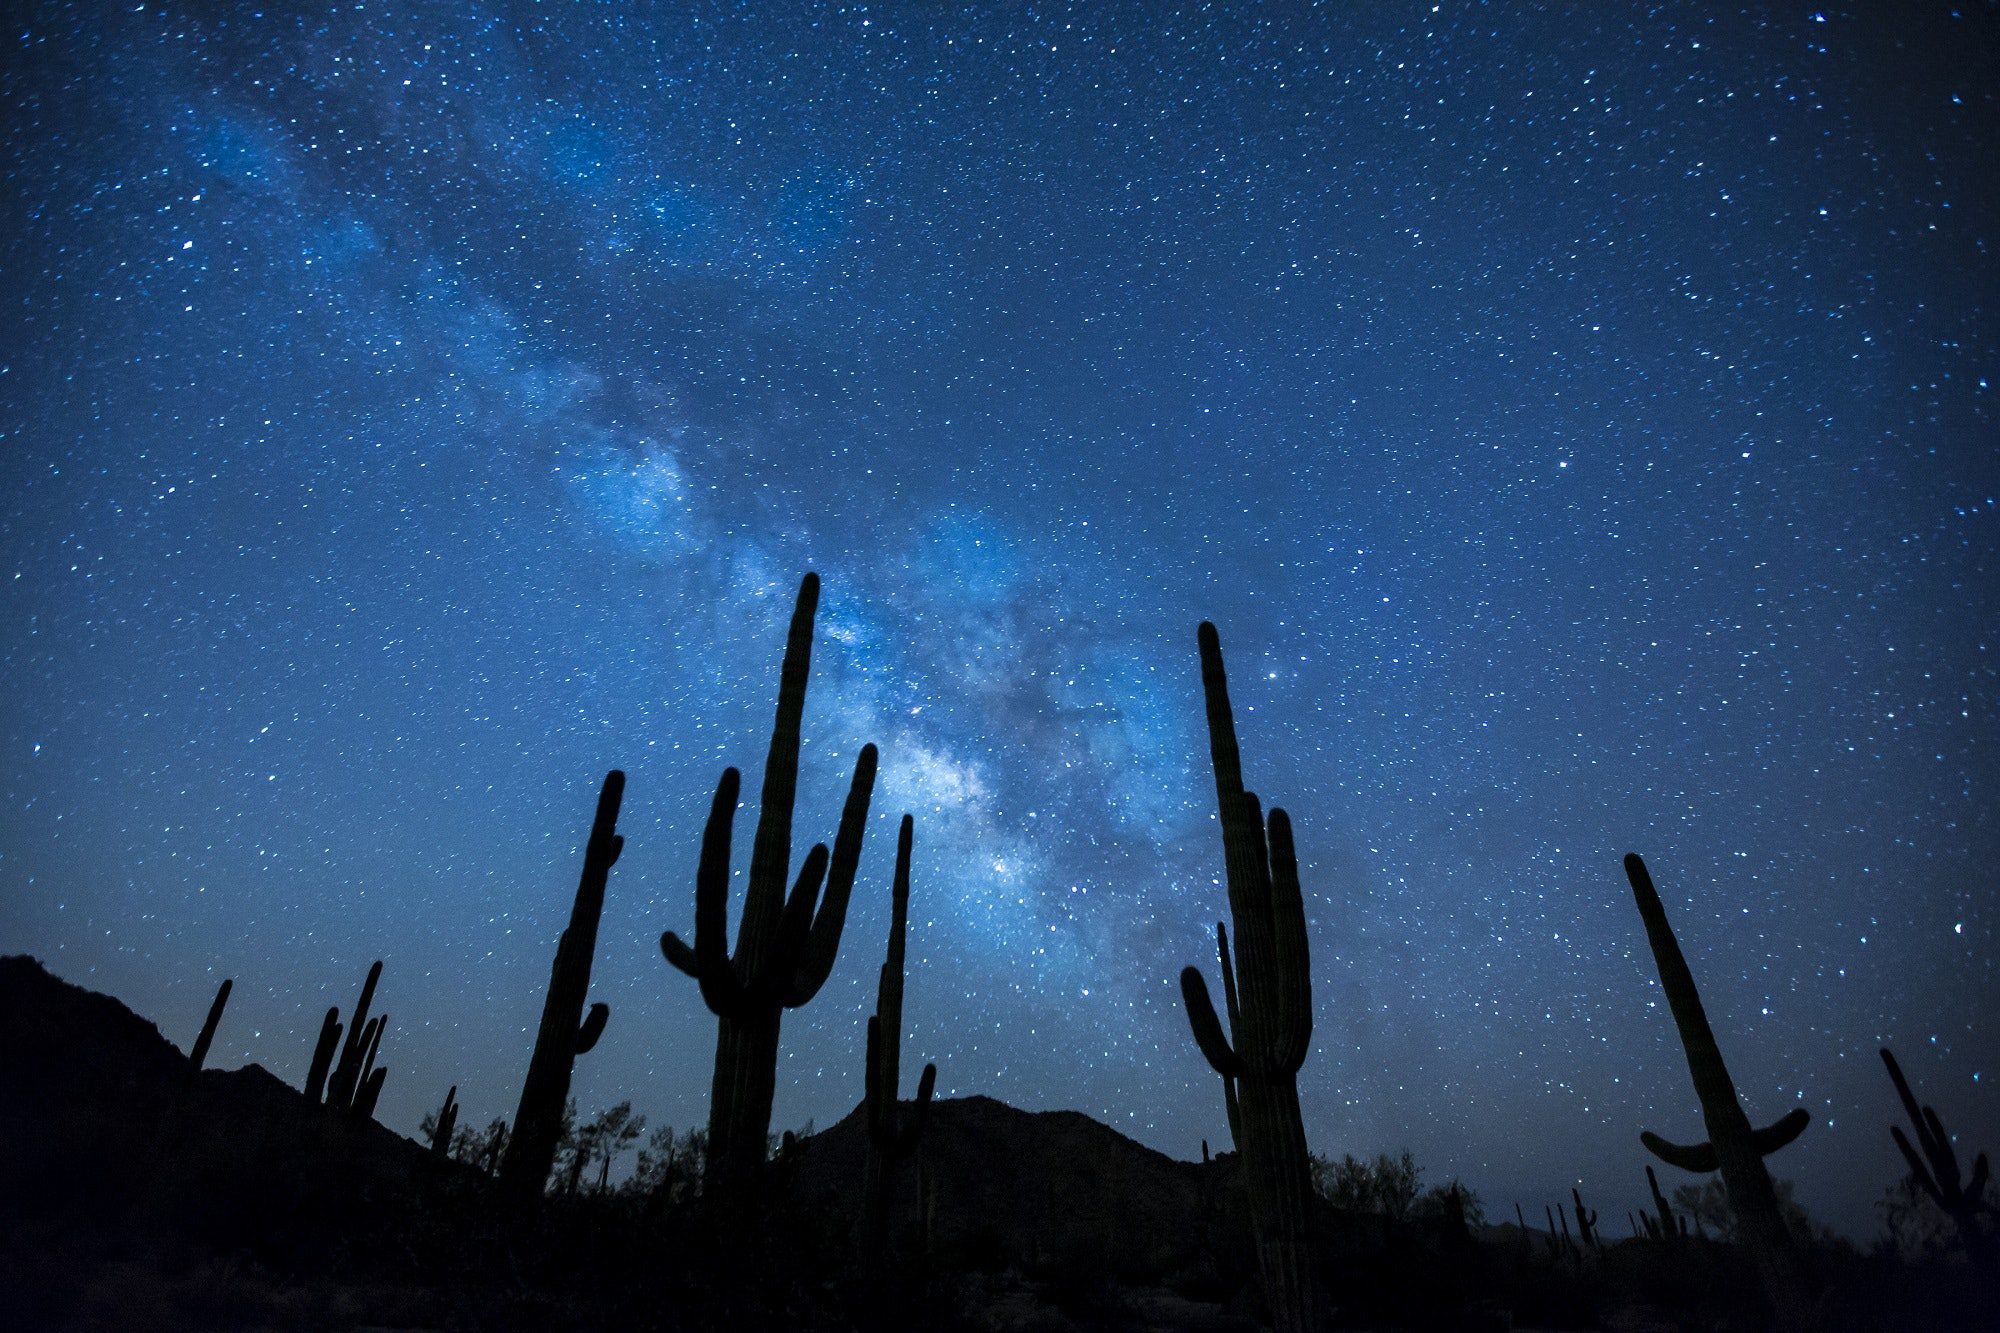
(892, 1135)
(565, 1032)
(354, 1084)
(1733, 1148)
(199, 1054)
(1270, 1019)
(784, 947)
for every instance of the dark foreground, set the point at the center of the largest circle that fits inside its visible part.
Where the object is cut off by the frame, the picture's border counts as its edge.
(139, 1193)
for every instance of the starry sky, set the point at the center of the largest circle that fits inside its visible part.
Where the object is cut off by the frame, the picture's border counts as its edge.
(1579, 426)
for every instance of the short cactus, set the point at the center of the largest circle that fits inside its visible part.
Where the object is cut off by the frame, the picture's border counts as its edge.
(1733, 1148)
(566, 1031)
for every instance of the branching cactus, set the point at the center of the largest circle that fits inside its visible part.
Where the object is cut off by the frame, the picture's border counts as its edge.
(1936, 1170)
(1270, 1019)
(363, 1037)
(1733, 1148)
(199, 1055)
(447, 1123)
(785, 945)
(566, 1031)
(1586, 1220)
(893, 1134)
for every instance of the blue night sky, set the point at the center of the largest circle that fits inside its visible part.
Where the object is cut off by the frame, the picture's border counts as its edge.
(1579, 427)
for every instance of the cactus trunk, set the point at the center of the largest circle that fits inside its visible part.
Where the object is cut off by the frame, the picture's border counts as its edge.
(565, 1032)
(1733, 1148)
(1268, 999)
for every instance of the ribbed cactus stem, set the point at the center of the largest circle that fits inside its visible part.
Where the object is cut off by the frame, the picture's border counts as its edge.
(565, 1031)
(1733, 1147)
(199, 1055)
(1268, 1000)
(785, 943)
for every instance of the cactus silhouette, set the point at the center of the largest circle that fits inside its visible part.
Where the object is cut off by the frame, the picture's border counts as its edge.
(1733, 1148)
(322, 1057)
(892, 1135)
(1936, 1170)
(348, 1073)
(353, 1085)
(784, 948)
(565, 1032)
(1270, 1019)
(1661, 1224)
(447, 1122)
(199, 1055)
(1586, 1220)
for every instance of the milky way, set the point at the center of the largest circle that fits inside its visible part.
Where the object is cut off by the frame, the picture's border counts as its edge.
(1579, 428)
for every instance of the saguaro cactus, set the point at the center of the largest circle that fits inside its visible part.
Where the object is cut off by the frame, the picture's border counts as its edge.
(199, 1054)
(1586, 1220)
(1270, 1021)
(892, 1135)
(784, 947)
(357, 1054)
(565, 1032)
(1936, 1171)
(1733, 1148)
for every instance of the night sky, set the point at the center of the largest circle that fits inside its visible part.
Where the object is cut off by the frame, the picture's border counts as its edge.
(1580, 428)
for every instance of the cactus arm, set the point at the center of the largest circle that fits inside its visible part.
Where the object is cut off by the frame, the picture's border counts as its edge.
(1698, 1157)
(1207, 1028)
(822, 943)
(592, 1028)
(322, 1057)
(1229, 1003)
(721, 988)
(912, 1130)
(1780, 1131)
(199, 1055)
(1903, 1093)
(371, 1092)
(1231, 1107)
(679, 954)
(771, 852)
(1288, 919)
(1917, 1167)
